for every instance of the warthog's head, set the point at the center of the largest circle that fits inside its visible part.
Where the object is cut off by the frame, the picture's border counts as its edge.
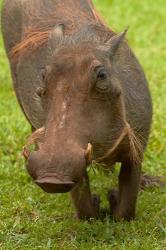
(81, 98)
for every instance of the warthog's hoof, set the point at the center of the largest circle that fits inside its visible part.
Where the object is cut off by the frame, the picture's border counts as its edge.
(113, 200)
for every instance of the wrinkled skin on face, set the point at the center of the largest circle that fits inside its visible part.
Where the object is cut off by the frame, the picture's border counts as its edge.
(79, 93)
(78, 97)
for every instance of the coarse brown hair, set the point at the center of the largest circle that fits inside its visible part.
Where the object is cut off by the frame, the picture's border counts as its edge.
(37, 32)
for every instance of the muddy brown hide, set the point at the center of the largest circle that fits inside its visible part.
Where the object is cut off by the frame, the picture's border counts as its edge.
(72, 112)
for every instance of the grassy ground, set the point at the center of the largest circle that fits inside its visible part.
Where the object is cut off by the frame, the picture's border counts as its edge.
(31, 219)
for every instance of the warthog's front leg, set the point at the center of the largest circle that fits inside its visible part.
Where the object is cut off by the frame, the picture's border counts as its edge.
(123, 201)
(87, 205)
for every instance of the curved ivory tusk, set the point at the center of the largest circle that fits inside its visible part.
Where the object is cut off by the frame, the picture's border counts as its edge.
(89, 153)
(35, 138)
(25, 152)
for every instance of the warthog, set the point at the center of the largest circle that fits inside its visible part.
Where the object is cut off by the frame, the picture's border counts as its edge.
(82, 89)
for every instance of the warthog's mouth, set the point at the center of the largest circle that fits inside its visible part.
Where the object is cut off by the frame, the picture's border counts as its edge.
(52, 184)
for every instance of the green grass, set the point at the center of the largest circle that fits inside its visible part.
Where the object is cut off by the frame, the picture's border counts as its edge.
(32, 219)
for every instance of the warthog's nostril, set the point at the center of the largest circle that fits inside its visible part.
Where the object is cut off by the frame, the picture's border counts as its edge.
(53, 185)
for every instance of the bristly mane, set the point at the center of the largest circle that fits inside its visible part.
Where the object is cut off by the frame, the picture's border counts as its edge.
(37, 32)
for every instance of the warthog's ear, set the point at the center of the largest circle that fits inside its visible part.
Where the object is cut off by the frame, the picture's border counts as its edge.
(114, 43)
(56, 36)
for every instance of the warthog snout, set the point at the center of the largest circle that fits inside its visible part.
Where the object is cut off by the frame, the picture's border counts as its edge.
(52, 184)
(57, 173)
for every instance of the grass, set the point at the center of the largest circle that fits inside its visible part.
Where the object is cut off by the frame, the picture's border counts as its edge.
(32, 219)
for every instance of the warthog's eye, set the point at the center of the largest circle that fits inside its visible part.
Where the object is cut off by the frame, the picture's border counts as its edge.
(101, 74)
(40, 91)
(102, 82)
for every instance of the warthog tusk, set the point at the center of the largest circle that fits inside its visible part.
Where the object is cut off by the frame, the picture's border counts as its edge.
(25, 152)
(35, 138)
(89, 153)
